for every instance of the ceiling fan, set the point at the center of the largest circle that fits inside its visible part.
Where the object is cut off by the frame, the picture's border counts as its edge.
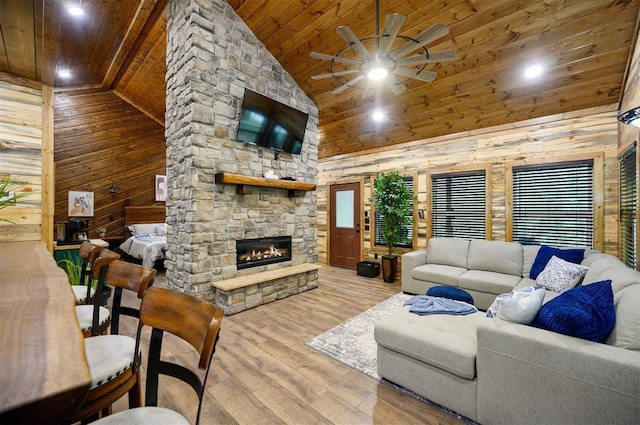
(383, 66)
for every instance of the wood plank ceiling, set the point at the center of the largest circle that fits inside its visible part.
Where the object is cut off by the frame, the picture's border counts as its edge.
(584, 46)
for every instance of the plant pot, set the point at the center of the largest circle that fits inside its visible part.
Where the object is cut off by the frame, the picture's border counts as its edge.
(102, 235)
(389, 268)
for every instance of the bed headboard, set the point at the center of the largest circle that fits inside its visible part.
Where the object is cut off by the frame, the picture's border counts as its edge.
(143, 214)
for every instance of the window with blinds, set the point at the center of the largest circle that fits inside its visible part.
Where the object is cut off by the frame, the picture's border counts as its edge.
(458, 205)
(553, 204)
(407, 235)
(628, 208)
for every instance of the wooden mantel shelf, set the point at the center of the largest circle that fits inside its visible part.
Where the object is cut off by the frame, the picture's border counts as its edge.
(242, 181)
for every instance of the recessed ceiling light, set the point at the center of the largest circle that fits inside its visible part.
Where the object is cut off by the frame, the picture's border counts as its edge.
(75, 10)
(533, 71)
(378, 115)
(64, 73)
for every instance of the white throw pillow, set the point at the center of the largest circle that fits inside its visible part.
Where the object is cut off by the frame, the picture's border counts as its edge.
(560, 275)
(144, 228)
(519, 306)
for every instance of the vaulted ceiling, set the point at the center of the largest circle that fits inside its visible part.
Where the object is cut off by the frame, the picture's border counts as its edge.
(583, 45)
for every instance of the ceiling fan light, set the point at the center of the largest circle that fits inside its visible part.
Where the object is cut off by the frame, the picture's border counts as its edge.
(377, 73)
(75, 11)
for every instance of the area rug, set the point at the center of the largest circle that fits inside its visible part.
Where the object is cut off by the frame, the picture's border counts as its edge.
(352, 343)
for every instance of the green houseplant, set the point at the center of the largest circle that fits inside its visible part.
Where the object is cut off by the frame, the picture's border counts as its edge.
(101, 231)
(393, 200)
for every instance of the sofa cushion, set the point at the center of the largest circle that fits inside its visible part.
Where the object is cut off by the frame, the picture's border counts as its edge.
(626, 332)
(610, 267)
(495, 256)
(560, 275)
(448, 251)
(518, 306)
(443, 341)
(529, 253)
(489, 282)
(573, 255)
(444, 291)
(437, 273)
(584, 312)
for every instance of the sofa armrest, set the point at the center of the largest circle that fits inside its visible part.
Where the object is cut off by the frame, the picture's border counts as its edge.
(526, 374)
(410, 261)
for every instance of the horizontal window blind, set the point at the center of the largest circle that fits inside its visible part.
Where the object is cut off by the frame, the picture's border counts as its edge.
(553, 204)
(407, 234)
(628, 208)
(458, 204)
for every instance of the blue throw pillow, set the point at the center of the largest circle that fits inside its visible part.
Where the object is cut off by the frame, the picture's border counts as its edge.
(585, 312)
(451, 293)
(572, 255)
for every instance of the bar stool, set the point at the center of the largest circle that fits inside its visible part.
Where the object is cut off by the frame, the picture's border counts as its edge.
(195, 321)
(114, 359)
(94, 318)
(88, 253)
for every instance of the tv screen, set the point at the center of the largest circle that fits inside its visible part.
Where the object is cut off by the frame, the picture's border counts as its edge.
(268, 123)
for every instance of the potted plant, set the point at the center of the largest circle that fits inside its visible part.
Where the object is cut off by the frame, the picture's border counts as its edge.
(393, 200)
(102, 232)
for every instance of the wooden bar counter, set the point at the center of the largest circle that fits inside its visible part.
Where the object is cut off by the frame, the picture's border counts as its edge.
(43, 369)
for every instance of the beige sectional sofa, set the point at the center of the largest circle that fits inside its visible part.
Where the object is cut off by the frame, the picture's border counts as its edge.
(494, 371)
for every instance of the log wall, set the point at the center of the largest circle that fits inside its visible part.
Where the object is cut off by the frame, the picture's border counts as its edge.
(102, 142)
(588, 133)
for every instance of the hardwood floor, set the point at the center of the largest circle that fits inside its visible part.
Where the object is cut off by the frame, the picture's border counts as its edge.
(263, 373)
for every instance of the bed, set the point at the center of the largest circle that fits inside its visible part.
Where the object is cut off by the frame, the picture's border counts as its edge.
(146, 233)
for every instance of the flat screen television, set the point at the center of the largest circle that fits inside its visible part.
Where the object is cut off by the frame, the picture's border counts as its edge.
(268, 123)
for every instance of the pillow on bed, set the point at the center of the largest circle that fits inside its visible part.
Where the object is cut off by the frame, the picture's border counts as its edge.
(144, 228)
(160, 230)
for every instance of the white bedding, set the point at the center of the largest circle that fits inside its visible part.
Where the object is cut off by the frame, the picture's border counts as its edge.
(147, 248)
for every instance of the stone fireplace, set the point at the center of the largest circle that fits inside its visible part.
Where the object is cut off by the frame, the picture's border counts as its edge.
(212, 57)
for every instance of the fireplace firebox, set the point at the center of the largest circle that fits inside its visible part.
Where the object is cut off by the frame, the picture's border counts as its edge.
(261, 251)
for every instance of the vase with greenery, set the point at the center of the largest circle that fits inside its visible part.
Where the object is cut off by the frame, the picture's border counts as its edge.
(393, 200)
(101, 231)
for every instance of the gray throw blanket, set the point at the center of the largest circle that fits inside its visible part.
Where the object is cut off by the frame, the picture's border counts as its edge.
(425, 304)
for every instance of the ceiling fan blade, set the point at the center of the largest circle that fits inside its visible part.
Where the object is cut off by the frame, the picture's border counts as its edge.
(433, 33)
(426, 76)
(368, 90)
(334, 74)
(325, 57)
(441, 56)
(392, 83)
(392, 24)
(346, 33)
(348, 84)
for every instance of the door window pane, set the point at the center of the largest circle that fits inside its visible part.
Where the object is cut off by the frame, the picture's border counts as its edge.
(344, 209)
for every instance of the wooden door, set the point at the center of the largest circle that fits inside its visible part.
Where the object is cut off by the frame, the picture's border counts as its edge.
(344, 231)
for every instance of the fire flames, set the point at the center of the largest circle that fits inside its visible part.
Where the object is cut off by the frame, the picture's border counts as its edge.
(254, 255)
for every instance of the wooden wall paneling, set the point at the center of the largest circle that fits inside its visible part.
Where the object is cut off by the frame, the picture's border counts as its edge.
(588, 132)
(48, 168)
(21, 144)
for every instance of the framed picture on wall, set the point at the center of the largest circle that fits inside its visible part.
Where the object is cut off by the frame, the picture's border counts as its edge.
(80, 204)
(161, 188)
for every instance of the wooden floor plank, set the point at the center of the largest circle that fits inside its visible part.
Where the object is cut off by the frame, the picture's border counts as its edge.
(263, 373)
